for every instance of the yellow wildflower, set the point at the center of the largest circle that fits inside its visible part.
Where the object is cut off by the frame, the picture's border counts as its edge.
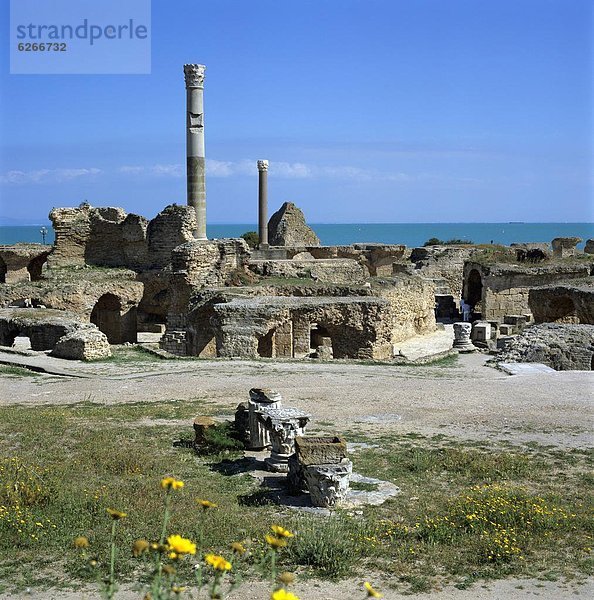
(371, 593)
(282, 594)
(275, 542)
(217, 562)
(169, 570)
(238, 548)
(116, 514)
(176, 589)
(205, 504)
(170, 483)
(139, 547)
(81, 542)
(281, 531)
(181, 545)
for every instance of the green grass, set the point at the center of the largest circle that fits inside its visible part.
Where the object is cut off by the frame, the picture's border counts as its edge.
(10, 371)
(64, 465)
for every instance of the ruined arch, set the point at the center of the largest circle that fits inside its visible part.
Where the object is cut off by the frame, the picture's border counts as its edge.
(474, 288)
(3, 270)
(107, 315)
(35, 267)
(562, 310)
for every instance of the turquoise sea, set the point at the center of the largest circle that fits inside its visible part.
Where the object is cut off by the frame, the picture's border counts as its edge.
(410, 234)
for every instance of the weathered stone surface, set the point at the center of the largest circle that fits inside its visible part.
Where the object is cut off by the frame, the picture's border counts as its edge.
(107, 236)
(462, 332)
(22, 262)
(562, 347)
(287, 227)
(173, 226)
(565, 246)
(571, 302)
(259, 398)
(589, 247)
(328, 484)
(83, 344)
(496, 290)
(320, 450)
(283, 424)
(339, 270)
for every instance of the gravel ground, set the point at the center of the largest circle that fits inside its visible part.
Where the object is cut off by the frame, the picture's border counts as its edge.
(467, 401)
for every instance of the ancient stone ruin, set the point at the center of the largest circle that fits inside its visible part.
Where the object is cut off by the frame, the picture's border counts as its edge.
(287, 227)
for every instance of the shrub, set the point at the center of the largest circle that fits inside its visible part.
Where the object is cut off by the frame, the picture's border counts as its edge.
(252, 238)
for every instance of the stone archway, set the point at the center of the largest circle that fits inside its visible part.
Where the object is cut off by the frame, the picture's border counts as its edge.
(562, 310)
(3, 270)
(320, 341)
(107, 315)
(474, 288)
(35, 267)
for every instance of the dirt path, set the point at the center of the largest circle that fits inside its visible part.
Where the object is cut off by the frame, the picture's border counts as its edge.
(467, 400)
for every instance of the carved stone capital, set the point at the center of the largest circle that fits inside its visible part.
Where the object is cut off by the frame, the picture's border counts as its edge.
(262, 165)
(194, 75)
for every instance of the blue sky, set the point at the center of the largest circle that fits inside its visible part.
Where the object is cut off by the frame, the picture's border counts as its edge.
(368, 111)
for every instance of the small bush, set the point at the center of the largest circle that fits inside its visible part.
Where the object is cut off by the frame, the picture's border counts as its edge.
(453, 242)
(252, 238)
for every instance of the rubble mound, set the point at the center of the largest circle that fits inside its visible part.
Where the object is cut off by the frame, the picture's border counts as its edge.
(562, 347)
(83, 344)
(287, 227)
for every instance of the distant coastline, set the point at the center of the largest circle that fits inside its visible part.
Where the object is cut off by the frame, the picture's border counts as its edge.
(409, 234)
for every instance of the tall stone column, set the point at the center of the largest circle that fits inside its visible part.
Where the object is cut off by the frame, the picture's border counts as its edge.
(263, 203)
(196, 168)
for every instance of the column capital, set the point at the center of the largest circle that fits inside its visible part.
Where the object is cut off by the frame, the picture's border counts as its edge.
(194, 75)
(262, 165)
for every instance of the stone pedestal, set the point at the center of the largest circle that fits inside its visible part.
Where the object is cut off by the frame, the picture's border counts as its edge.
(481, 332)
(260, 398)
(328, 484)
(462, 341)
(284, 425)
(320, 450)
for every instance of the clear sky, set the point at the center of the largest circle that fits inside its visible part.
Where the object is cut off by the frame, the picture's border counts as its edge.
(368, 111)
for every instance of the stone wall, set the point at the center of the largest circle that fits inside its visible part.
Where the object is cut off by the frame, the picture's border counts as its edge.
(412, 302)
(561, 347)
(563, 303)
(280, 327)
(22, 262)
(503, 289)
(338, 270)
(109, 297)
(109, 237)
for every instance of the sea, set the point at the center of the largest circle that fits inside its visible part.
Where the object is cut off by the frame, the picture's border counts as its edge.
(409, 234)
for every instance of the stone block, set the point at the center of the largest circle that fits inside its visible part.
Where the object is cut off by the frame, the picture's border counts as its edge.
(507, 329)
(82, 344)
(481, 332)
(504, 342)
(320, 450)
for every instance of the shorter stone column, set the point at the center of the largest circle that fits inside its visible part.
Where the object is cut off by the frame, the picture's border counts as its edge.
(259, 398)
(284, 425)
(462, 341)
(328, 484)
(263, 203)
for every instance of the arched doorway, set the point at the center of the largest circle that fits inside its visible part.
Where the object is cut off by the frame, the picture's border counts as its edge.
(107, 315)
(3, 270)
(474, 288)
(320, 341)
(35, 267)
(266, 345)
